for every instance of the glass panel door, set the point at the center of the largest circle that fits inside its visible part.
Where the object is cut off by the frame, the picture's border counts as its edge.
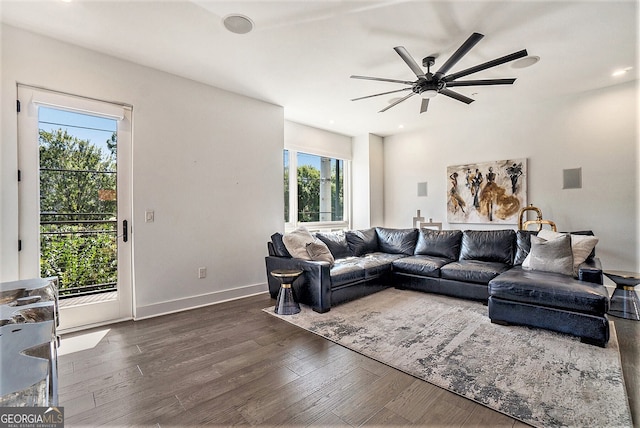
(76, 195)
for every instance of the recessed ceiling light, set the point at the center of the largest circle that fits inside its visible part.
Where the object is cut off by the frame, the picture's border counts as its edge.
(525, 62)
(401, 126)
(621, 72)
(238, 24)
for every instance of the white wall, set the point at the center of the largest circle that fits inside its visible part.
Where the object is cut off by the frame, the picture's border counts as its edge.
(376, 179)
(209, 162)
(308, 139)
(596, 131)
(368, 181)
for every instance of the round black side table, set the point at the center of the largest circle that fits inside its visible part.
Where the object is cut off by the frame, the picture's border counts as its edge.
(285, 303)
(624, 302)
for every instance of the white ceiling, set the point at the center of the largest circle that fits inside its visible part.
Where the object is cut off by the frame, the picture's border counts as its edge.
(301, 53)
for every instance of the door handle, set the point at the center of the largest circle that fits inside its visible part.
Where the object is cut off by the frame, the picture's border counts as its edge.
(125, 230)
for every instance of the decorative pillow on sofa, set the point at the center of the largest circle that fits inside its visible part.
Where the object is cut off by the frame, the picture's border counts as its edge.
(362, 242)
(397, 241)
(319, 251)
(439, 243)
(587, 233)
(337, 243)
(296, 242)
(303, 245)
(552, 255)
(581, 246)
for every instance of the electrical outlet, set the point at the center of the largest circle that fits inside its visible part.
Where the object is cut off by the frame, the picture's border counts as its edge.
(202, 272)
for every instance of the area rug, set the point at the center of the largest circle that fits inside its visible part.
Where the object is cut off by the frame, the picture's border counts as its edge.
(536, 376)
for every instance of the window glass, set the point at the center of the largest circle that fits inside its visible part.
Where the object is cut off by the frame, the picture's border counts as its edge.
(320, 188)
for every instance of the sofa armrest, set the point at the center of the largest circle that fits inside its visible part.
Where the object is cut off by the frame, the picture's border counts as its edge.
(591, 271)
(312, 288)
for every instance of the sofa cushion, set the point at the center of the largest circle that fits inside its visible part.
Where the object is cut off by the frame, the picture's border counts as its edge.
(346, 271)
(337, 243)
(523, 245)
(362, 241)
(422, 265)
(279, 248)
(375, 264)
(439, 243)
(550, 289)
(473, 271)
(296, 243)
(488, 245)
(397, 241)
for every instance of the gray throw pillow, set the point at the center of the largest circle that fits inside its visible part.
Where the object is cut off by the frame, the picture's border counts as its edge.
(319, 251)
(554, 255)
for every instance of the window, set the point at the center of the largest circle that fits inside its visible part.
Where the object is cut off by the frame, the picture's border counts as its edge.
(314, 189)
(78, 201)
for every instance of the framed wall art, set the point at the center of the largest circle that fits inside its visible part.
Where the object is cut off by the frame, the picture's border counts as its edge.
(487, 192)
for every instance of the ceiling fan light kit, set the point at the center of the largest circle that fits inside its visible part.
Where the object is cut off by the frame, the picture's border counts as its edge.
(428, 84)
(428, 93)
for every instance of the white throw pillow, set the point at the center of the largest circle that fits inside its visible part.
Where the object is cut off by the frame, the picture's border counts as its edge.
(581, 246)
(297, 241)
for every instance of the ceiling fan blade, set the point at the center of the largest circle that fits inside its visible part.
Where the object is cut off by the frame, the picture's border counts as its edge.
(485, 82)
(488, 64)
(397, 102)
(413, 65)
(425, 105)
(456, 96)
(382, 79)
(382, 93)
(457, 55)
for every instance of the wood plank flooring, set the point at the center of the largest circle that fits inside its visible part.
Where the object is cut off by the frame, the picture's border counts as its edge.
(232, 364)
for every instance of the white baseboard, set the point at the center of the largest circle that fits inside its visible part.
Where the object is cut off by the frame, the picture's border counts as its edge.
(192, 302)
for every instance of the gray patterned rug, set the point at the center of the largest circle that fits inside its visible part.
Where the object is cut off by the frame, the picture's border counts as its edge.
(537, 376)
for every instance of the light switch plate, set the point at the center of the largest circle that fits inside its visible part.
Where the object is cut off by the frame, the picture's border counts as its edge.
(149, 216)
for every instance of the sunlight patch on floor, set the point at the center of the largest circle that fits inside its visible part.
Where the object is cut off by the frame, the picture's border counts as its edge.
(81, 342)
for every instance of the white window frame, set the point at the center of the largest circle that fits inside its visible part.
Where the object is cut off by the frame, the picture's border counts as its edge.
(313, 226)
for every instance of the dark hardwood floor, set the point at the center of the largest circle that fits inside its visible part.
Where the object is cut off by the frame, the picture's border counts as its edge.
(628, 332)
(232, 364)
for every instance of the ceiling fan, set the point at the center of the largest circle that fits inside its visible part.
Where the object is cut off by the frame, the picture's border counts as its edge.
(429, 84)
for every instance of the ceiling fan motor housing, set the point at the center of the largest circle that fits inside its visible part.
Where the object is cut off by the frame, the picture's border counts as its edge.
(428, 84)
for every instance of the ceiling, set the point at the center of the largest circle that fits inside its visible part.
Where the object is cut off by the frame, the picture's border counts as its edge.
(301, 53)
